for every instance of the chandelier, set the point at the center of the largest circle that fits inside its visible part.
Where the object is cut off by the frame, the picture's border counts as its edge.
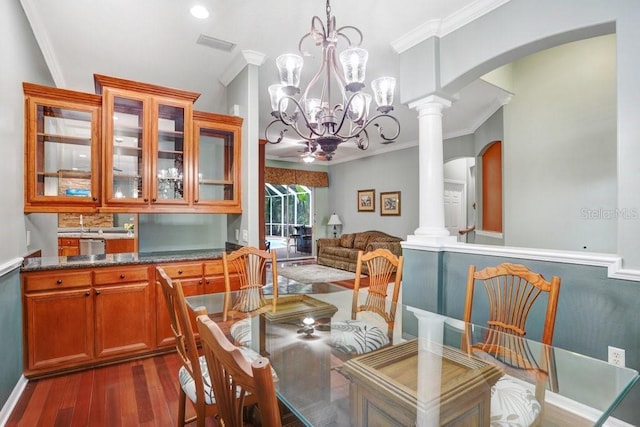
(313, 116)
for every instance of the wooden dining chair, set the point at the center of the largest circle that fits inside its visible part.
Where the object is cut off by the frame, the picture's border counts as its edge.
(193, 374)
(512, 291)
(385, 277)
(250, 265)
(235, 379)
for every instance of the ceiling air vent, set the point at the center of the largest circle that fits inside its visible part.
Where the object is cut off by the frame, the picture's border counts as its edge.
(215, 43)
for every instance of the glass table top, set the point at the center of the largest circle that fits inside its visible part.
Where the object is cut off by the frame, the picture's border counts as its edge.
(427, 377)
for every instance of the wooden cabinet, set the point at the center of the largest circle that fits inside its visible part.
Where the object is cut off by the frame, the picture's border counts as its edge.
(214, 277)
(74, 318)
(216, 183)
(148, 146)
(124, 322)
(62, 150)
(133, 147)
(58, 320)
(68, 246)
(117, 246)
(80, 317)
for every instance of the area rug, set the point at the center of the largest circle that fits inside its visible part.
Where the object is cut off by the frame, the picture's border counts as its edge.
(314, 273)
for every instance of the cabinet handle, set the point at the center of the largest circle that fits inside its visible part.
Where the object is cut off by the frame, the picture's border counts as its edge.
(199, 282)
(95, 199)
(86, 294)
(59, 282)
(207, 281)
(154, 200)
(179, 271)
(145, 199)
(122, 276)
(195, 201)
(97, 292)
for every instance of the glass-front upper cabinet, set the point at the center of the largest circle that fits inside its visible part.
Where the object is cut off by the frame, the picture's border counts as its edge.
(172, 153)
(61, 150)
(217, 170)
(147, 140)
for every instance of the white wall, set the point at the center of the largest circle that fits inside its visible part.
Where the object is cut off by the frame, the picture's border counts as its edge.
(559, 151)
(22, 61)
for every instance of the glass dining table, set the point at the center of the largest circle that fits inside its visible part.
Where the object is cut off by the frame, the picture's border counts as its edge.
(428, 376)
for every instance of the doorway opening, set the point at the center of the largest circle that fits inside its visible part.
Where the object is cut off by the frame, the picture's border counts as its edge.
(287, 221)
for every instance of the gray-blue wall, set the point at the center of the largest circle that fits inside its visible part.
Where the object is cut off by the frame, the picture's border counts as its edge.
(594, 311)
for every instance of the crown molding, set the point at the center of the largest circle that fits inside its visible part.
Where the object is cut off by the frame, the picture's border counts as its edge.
(43, 40)
(442, 27)
(244, 58)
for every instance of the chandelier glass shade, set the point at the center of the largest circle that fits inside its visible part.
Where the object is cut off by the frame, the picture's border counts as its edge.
(321, 119)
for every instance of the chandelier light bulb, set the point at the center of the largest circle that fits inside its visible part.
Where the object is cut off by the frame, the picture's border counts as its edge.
(354, 65)
(289, 67)
(313, 107)
(276, 93)
(359, 108)
(383, 89)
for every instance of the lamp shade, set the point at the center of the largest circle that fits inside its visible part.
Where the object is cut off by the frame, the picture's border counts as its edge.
(334, 219)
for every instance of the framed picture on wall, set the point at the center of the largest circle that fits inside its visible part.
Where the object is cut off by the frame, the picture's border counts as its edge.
(390, 203)
(366, 200)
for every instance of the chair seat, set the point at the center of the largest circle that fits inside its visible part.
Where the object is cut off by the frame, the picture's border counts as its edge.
(189, 386)
(240, 331)
(513, 404)
(356, 336)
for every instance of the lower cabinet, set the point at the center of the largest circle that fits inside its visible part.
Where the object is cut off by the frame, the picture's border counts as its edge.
(124, 321)
(74, 318)
(59, 328)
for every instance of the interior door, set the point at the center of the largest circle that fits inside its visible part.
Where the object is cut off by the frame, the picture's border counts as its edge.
(455, 217)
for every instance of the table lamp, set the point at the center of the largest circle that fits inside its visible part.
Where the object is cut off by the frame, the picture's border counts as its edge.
(334, 220)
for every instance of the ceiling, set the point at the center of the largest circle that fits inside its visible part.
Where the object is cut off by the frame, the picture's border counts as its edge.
(155, 41)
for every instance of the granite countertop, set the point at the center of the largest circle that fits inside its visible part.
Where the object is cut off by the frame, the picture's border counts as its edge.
(95, 235)
(106, 260)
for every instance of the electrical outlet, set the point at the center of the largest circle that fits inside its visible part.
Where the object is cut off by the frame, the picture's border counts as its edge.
(616, 356)
(245, 235)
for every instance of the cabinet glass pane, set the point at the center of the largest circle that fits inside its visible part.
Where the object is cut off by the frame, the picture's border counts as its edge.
(170, 160)
(215, 165)
(63, 147)
(127, 148)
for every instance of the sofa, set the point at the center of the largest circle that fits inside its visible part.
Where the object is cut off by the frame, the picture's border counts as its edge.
(342, 252)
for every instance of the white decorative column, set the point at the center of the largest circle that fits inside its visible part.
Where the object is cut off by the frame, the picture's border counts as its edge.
(431, 228)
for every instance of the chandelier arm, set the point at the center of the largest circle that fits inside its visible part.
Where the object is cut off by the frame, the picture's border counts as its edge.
(337, 70)
(266, 133)
(340, 32)
(363, 142)
(373, 121)
(315, 78)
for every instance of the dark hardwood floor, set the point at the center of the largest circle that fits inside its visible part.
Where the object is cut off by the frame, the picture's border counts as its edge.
(142, 392)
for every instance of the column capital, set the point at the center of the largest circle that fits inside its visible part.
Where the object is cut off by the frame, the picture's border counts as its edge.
(430, 101)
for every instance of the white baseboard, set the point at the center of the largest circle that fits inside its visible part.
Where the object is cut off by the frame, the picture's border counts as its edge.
(11, 403)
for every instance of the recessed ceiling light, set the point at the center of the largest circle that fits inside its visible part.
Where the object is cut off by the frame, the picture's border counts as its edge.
(200, 12)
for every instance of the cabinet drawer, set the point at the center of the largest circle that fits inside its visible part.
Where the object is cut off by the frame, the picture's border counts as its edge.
(56, 280)
(176, 271)
(68, 242)
(121, 275)
(213, 268)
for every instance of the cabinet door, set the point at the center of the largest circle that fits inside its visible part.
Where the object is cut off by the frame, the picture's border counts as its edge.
(59, 329)
(127, 142)
(115, 246)
(124, 319)
(217, 169)
(172, 152)
(62, 154)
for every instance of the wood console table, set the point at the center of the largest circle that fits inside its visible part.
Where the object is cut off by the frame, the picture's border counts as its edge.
(384, 388)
